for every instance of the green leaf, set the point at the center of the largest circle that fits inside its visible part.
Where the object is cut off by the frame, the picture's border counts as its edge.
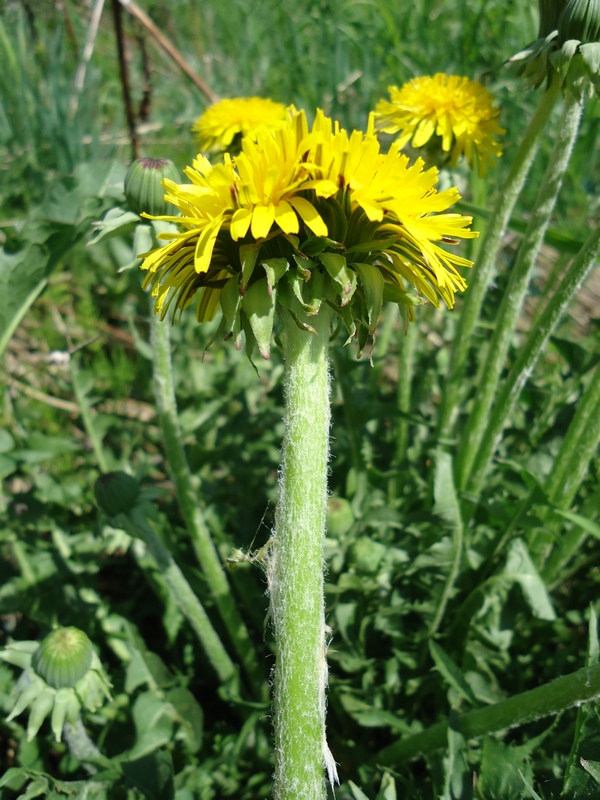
(153, 723)
(152, 775)
(592, 768)
(503, 769)
(188, 714)
(584, 523)
(451, 673)
(259, 307)
(357, 793)
(458, 783)
(372, 284)
(387, 790)
(521, 569)
(117, 222)
(23, 277)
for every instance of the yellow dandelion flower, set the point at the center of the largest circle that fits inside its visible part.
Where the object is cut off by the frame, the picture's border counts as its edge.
(459, 111)
(304, 216)
(234, 117)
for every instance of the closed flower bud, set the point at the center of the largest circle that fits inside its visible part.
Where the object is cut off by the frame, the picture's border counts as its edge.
(60, 676)
(63, 657)
(116, 493)
(580, 20)
(143, 185)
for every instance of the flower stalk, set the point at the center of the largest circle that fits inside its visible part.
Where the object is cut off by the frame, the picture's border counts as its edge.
(204, 548)
(186, 600)
(531, 350)
(488, 252)
(514, 296)
(296, 567)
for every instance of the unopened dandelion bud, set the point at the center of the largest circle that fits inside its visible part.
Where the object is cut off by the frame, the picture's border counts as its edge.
(116, 493)
(144, 189)
(63, 658)
(580, 20)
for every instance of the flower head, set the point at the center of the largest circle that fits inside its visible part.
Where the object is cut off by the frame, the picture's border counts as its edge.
(305, 216)
(61, 676)
(217, 129)
(459, 111)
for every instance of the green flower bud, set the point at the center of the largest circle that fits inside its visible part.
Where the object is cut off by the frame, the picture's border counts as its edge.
(63, 657)
(339, 517)
(116, 493)
(143, 185)
(60, 676)
(580, 20)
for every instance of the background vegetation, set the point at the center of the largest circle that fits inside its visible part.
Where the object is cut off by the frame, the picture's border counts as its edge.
(416, 636)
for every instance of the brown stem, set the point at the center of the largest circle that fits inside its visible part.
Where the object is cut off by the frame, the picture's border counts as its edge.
(166, 45)
(116, 8)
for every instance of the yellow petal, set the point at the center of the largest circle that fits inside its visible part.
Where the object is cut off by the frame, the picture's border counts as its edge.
(286, 218)
(240, 222)
(309, 215)
(423, 133)
(262, 219)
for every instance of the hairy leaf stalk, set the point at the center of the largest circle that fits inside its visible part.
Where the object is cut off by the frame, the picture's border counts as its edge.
(296, 567)
(516, 290)
(484, 269)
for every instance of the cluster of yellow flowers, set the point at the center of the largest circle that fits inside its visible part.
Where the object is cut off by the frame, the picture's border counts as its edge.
(300, 206)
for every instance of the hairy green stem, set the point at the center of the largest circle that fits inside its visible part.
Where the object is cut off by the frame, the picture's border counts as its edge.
(514, 296)
(186, 600)
(484, 269)
(295, 568)
(206, 552)
(569, 469)
(529, 353)
(551, 698)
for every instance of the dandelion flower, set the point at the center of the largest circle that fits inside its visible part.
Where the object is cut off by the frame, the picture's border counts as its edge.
(302, 217)
(459, 111)
(221, 123)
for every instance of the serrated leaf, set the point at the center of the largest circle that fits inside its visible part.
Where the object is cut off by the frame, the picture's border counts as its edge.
(458, 783)
(259, 307)
(503, 768)
(451, 673)
(592, 768)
